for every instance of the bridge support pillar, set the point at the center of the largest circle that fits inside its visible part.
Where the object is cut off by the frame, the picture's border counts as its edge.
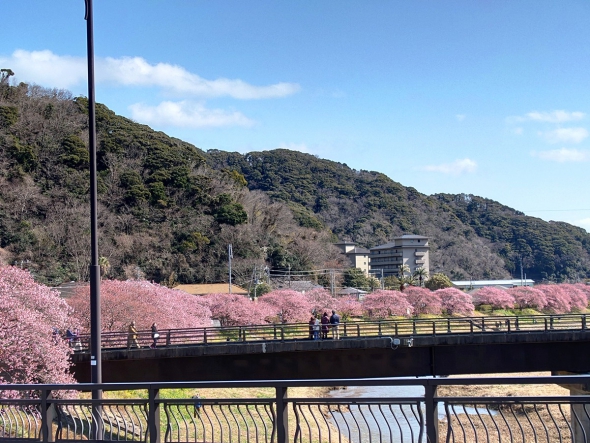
(431, 413)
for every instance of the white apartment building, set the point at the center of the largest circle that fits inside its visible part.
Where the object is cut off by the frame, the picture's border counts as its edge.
(410, 250)
(358, 257)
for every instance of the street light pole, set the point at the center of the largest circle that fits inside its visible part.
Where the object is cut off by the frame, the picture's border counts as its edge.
(95, 336)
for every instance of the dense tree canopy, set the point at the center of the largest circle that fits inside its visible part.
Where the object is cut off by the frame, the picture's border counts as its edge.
(143, 302)
(30, 351)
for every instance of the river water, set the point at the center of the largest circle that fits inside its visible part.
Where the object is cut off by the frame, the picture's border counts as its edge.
(366, 423)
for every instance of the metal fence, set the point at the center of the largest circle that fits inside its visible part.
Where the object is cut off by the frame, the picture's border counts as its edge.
(354, 329)
(53, 413)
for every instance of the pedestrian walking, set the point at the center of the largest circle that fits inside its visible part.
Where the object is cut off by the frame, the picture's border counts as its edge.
(132, 336)
(155, 335)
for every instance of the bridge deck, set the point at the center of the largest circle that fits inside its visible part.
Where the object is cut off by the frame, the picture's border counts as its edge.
(426, 347)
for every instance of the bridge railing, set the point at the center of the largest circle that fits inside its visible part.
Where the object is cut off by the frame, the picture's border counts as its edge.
(351, 329)
(280, 412)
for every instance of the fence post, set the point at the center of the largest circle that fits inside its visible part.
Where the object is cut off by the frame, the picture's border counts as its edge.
(282, 414)
(47, 416)
(584, 321)
(154, 415)
(205, 335)
(431, 413)
(168, 337)
(379, 323)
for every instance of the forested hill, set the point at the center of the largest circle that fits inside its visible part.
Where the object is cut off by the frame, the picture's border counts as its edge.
(470, 236)
(167, 210)
(164, 214)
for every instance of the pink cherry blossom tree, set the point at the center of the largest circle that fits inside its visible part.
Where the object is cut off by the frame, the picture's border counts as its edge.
(287, 306)
(142, 302)
(585, 289)
(321, 300)
(558, 301)
(383, 304)
(29, 351)
(455, 302)
(527, 297)
(348, 307)
(423, 300)
(578, 298)
(236, 310)
(495, 297)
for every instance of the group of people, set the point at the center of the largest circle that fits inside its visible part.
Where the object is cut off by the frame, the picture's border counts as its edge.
(132, 336)
(324, 325)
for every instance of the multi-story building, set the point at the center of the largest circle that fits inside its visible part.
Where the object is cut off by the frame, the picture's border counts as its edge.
(410, 250)
(358, 257)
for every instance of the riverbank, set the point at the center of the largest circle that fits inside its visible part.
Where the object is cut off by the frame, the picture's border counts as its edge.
(509, 421)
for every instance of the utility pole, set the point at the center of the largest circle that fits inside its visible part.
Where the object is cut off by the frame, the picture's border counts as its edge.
(289, 276)
(332, 282)
(230, 255)
(95, 321)
(521, 274)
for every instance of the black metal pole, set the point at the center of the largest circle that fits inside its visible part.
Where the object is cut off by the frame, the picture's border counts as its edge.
(95, 356)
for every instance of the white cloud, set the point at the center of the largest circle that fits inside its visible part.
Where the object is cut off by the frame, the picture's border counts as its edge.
(583, 223)
(565, 135)
(46, 68)
(558, 116)
(518, 131)
(49, 69)
(455, 168)
(563, 155)
(301, 147)
(460, 117)
(186, 114)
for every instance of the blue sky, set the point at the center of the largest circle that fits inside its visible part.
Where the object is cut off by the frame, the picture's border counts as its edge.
(490, 98)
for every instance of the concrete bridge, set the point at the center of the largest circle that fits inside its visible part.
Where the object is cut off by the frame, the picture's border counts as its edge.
(432, 347)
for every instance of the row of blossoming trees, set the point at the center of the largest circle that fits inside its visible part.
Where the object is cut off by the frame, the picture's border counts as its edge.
(29, 312)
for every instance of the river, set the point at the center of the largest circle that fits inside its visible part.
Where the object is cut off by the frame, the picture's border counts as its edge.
(369, 423)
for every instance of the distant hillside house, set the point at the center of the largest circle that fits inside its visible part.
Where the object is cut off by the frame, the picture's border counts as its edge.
(468, 285)
(358, 257)
(410, 250)
(213, 288)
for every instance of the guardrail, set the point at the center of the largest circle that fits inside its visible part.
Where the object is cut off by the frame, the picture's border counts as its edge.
(353, 329)
(152, 415)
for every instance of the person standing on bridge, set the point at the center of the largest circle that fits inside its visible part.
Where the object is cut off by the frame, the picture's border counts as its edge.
(334, 325)
(155, 335)
(132, 336)
(325, 325)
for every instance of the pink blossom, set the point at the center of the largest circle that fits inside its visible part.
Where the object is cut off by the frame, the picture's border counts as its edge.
(348, 307)
(287, 306)
(495, 297)
(578, 298)
(585, 289)
(383, 304)
(558, 301)
(236, 310)
(29, 353)
(455, 302)
(423, 300)
(143, 302)
(321, 300)
(527, 297)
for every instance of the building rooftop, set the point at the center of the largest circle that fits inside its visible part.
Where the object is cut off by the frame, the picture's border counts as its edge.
(358, 251)
(212, 288)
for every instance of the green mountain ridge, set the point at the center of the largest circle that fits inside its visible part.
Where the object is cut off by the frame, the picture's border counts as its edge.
(471, 237)
(168, 210)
